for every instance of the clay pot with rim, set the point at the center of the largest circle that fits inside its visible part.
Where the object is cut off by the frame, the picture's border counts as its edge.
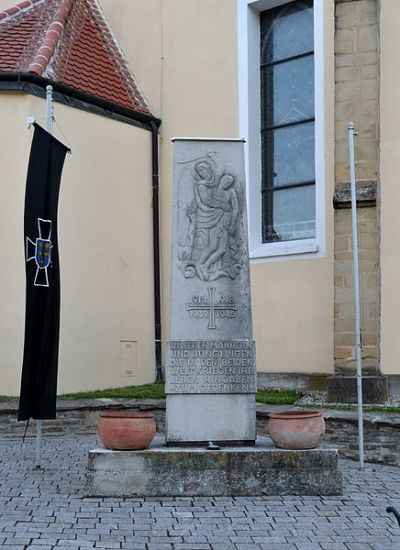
(126, 431)
(297, 429)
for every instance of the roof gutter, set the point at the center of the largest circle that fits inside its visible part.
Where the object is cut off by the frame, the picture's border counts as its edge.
(32, 83)
(70, 96)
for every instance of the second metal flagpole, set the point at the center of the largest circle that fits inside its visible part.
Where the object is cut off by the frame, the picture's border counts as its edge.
(357, 300)
(49, 128)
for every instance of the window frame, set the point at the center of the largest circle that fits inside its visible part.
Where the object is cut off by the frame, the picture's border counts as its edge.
(248, 17)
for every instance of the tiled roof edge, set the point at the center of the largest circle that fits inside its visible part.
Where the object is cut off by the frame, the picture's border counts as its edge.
(19, 8)
(18, 80)
(53, 34)
(125, 70)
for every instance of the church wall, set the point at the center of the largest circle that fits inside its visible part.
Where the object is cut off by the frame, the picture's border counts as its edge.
(15, 144)
(195, 91)
(357, 100)
(390, 188)
(105, 239)
(293, 295)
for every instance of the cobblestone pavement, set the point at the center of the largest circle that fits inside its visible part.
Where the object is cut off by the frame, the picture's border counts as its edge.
(47, 509)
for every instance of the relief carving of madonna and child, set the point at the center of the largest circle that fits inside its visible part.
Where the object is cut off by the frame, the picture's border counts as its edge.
(210, 214)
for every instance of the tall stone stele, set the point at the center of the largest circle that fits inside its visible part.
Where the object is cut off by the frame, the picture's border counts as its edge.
(210, 371)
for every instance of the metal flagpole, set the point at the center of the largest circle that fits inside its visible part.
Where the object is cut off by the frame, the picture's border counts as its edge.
(49, 128)
(357, 301)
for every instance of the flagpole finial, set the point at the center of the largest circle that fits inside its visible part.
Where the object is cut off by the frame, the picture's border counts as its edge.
(30, 120)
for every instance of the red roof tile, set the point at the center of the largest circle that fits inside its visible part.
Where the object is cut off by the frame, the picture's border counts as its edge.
(68, 41)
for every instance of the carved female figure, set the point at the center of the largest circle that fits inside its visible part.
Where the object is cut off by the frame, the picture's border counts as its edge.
(213, 216)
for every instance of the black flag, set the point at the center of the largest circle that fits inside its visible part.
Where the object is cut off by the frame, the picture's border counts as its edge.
(42, 316)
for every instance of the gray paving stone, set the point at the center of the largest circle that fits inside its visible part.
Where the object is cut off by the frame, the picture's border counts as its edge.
(47, 509)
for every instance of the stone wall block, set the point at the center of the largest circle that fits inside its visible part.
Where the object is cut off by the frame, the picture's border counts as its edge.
(346, 10)
(372, 311)
(368, 90)
(368, 72)
(369, 339)
(344, 311)
(345, 41)
(368, 279)
(366, 214)
(365, 7)
(344, 339)
(343, 352)
(344, 74)
(345, 296)
(344, 325)
(365, 58)
(349, 279)
(344, 60)
(342, 243)
(344, 255)
(347, 89)
(344, 113)
(367, 241)
(365, 110)
(339, 281)
(343, 268)
(369, 352)
(367, 39)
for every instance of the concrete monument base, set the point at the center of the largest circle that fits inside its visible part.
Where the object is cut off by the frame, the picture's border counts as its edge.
(162, 471)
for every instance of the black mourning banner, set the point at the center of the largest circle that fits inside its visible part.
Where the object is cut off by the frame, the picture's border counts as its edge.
(42, 316)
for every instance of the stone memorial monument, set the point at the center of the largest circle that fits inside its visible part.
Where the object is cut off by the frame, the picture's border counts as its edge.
(210, 364)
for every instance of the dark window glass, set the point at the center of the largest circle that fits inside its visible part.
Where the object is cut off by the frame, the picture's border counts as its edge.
(290, 89)
(287, 31)
(287, 122)
(289, 151)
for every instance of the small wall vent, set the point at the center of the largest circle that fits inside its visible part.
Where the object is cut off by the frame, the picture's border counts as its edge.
(128, 354)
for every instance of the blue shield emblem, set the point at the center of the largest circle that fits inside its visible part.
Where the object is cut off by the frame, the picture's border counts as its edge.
(43, 253)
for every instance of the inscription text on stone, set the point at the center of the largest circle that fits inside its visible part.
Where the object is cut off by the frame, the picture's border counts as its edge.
(210, 366)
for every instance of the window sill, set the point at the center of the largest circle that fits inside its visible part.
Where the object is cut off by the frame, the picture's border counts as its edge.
(284, 249)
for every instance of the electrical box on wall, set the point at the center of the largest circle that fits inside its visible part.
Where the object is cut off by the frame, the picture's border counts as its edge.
(128, 355)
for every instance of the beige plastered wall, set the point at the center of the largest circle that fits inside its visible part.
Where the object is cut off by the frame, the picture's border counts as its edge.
(105, 240)
(390, 188)
(185, 57)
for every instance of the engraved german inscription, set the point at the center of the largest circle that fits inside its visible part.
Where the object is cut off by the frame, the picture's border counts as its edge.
(211, 366)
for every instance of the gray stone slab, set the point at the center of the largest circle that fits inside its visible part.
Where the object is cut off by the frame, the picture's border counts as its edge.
(211, 350)
(235, 471)
(205, 418)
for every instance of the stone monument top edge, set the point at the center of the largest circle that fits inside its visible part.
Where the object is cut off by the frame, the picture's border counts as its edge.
(241, 140)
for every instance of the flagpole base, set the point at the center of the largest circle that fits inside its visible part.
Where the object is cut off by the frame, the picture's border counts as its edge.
(343, 389)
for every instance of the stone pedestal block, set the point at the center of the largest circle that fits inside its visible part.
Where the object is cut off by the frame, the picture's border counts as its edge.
(162, 471)
(343, 389)
(203, 418)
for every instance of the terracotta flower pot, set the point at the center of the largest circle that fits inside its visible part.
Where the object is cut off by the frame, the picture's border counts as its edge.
(297, 429)
(126, 431)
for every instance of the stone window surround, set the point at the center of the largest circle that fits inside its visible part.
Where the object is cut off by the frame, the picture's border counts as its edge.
(249, 128)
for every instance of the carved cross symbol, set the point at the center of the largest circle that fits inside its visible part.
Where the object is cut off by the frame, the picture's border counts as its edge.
(211, 307)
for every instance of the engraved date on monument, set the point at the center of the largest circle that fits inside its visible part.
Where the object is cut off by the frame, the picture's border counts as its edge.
(211, 307)
(211, 367)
